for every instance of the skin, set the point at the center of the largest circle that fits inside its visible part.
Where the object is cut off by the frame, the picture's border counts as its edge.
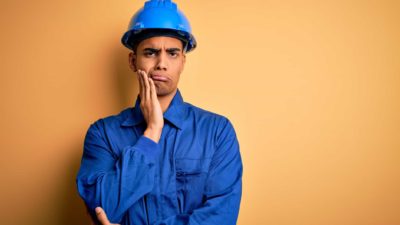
(158, 62)
(102, 217)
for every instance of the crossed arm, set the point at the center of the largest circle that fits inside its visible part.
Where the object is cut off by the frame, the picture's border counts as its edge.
(103, 175)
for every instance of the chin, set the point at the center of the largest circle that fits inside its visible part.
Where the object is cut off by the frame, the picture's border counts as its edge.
(164, 92)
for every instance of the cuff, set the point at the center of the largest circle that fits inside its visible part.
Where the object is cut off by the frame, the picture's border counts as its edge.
(147, 147)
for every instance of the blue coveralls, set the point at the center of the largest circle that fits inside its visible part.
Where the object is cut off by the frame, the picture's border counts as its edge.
(193, 175)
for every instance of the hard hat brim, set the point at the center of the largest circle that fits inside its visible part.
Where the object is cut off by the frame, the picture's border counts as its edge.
(132, 38)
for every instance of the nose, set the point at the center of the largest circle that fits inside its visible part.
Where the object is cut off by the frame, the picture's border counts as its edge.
(162, 62)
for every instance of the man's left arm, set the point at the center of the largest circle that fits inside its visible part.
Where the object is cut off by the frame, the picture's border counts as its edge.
(223, 186)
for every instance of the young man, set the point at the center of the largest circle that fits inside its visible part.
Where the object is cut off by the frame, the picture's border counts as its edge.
(163, 161)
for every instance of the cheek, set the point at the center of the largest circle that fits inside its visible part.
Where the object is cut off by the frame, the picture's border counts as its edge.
(180, 66)
(145, 64)
(177, 71)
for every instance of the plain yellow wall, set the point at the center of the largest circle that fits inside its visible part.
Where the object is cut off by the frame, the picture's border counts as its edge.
(312, 88)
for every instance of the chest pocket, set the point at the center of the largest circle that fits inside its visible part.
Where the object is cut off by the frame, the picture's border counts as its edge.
(191, 175)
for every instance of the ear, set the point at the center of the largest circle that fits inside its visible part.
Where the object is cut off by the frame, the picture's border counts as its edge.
(132, 61)
(183, 59)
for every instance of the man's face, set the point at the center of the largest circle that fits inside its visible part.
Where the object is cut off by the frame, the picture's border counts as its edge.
(163, 59)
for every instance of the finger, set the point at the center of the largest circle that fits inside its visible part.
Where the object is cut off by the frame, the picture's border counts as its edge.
(146, 86)
(101, 216)
(141, 88)
(153, 90)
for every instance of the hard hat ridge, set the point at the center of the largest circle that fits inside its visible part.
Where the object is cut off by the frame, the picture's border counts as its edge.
(162, 3)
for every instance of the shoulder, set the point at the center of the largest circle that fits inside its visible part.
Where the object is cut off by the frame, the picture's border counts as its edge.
(220, 122)
(112, 121)
(203, 113)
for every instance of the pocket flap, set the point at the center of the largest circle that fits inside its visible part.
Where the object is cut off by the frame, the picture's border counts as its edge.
(192, 166)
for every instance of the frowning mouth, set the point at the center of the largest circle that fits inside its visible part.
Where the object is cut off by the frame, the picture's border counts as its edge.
(157, 77)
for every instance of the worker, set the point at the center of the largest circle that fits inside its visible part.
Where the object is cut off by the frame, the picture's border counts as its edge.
(163, 161)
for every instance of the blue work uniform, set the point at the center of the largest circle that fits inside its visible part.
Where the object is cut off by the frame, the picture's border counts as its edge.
(193, 175)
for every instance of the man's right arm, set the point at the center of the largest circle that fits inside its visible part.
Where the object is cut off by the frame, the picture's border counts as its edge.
(115, 182)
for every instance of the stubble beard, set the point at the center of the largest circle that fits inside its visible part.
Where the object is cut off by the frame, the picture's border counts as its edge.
(164, 90)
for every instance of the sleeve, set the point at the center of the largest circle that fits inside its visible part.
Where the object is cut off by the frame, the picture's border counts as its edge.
(223, 187)
(107, 180)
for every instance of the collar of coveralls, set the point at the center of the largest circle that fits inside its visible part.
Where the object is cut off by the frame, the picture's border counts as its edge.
(174, 113)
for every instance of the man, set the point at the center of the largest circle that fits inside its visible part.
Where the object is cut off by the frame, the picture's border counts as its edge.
(164, 161)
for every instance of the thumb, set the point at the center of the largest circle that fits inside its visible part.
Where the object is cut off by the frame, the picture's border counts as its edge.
(101, 216)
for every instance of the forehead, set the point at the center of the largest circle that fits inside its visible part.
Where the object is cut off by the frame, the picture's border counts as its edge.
(160, 42)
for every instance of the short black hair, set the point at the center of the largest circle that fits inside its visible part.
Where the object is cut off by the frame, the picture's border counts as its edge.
(149, 33)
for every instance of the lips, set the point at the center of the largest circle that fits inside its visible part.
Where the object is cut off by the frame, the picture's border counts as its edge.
(157, 77)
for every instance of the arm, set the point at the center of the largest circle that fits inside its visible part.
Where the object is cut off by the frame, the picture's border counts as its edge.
(117, 182)
(223, 188)
(106, 180)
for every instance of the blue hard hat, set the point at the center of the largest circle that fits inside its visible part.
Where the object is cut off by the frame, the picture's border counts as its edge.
(159, 18)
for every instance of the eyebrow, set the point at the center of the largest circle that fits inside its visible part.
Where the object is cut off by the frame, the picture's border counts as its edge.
(173, 49)
(157, 50)
(152, 50)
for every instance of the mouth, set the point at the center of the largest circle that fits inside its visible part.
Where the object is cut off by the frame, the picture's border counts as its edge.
(158, 77)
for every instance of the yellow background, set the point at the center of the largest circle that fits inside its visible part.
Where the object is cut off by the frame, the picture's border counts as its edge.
(312, 88)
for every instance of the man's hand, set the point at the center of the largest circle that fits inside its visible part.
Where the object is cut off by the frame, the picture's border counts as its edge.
(102, 217)
(150, 107)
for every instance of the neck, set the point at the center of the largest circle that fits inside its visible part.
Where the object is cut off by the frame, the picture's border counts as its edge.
(166, 100)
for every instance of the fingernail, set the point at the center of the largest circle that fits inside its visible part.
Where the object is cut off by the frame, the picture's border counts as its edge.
(98, 210)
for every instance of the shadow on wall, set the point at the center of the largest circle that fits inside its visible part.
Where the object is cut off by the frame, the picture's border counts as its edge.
(125, 80)
(73, 210)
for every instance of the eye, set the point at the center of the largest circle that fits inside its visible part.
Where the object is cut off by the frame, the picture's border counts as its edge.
(173, 54)
(149, 54)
